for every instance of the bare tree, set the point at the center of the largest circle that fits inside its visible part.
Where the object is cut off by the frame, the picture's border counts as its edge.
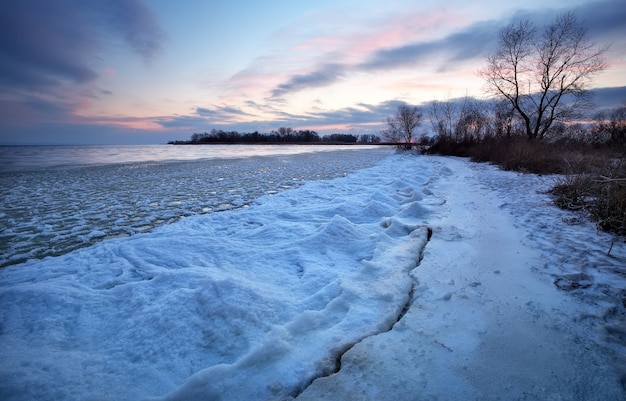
(612, 125)
(472, 123)
(401, 127)
(442, 116)
(503, 121)
(544, 77)
(459, 120)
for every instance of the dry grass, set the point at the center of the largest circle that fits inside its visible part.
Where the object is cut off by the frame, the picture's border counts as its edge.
(601, 193)
(594, 178)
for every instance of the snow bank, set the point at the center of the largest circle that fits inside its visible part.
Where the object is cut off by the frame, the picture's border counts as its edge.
(249, 304)
(487, 321)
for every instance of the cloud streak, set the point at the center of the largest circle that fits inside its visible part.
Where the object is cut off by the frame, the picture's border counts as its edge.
(43, 43)
(203, 119)
(137, 24)
(223, 113)
(49, 50)
(467, 44)
(323, 76)
(471, 42)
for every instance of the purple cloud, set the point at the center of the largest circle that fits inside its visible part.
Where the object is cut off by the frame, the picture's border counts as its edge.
(136, 23)
(323, 76)
(49, 47)
(221, 112)
(603, 19)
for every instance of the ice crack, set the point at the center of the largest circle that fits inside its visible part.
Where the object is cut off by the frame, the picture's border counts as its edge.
(342, 351)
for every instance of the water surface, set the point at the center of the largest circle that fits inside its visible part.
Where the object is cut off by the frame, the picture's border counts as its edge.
(58, 199)
(32, 158)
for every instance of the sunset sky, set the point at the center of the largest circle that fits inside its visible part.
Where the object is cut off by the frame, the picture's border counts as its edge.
(132, 71)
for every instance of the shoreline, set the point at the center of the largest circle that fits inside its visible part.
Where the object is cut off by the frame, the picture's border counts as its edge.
(320, 143)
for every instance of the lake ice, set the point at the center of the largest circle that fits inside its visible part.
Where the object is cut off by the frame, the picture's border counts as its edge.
(53, 201)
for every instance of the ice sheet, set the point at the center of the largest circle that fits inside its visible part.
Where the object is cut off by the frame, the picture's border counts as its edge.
(53, 211)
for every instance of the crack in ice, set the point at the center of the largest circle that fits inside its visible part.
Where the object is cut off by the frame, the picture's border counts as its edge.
(343, 350)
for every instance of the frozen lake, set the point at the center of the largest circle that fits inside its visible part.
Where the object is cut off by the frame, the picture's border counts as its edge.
(55, 199)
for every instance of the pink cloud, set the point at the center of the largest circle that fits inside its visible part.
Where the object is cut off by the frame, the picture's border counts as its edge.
(135, 123)
(334, 49)
(404, 28)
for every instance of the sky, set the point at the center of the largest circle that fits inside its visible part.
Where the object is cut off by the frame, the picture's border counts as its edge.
(135, 72)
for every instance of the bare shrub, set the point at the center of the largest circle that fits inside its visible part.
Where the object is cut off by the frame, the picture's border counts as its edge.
(593, 178)
(601, 193)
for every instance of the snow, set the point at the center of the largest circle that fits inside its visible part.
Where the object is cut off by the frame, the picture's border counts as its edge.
(333, 289)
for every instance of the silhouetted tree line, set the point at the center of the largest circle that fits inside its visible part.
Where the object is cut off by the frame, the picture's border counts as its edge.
(538, 80)
(470, 122)
(282, 135)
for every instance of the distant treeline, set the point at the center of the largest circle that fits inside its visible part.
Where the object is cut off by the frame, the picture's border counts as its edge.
(282, 135)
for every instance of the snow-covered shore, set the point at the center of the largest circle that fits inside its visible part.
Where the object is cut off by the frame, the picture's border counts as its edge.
(332, 290)
(487, 321)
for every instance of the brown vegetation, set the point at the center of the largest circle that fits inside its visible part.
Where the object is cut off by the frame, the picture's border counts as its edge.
(593, 177)
(601, 193)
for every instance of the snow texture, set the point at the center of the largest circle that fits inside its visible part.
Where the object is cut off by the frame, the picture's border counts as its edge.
(420, 278)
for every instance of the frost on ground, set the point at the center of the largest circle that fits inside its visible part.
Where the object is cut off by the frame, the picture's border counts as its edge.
(318, 292)
(489, 319)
